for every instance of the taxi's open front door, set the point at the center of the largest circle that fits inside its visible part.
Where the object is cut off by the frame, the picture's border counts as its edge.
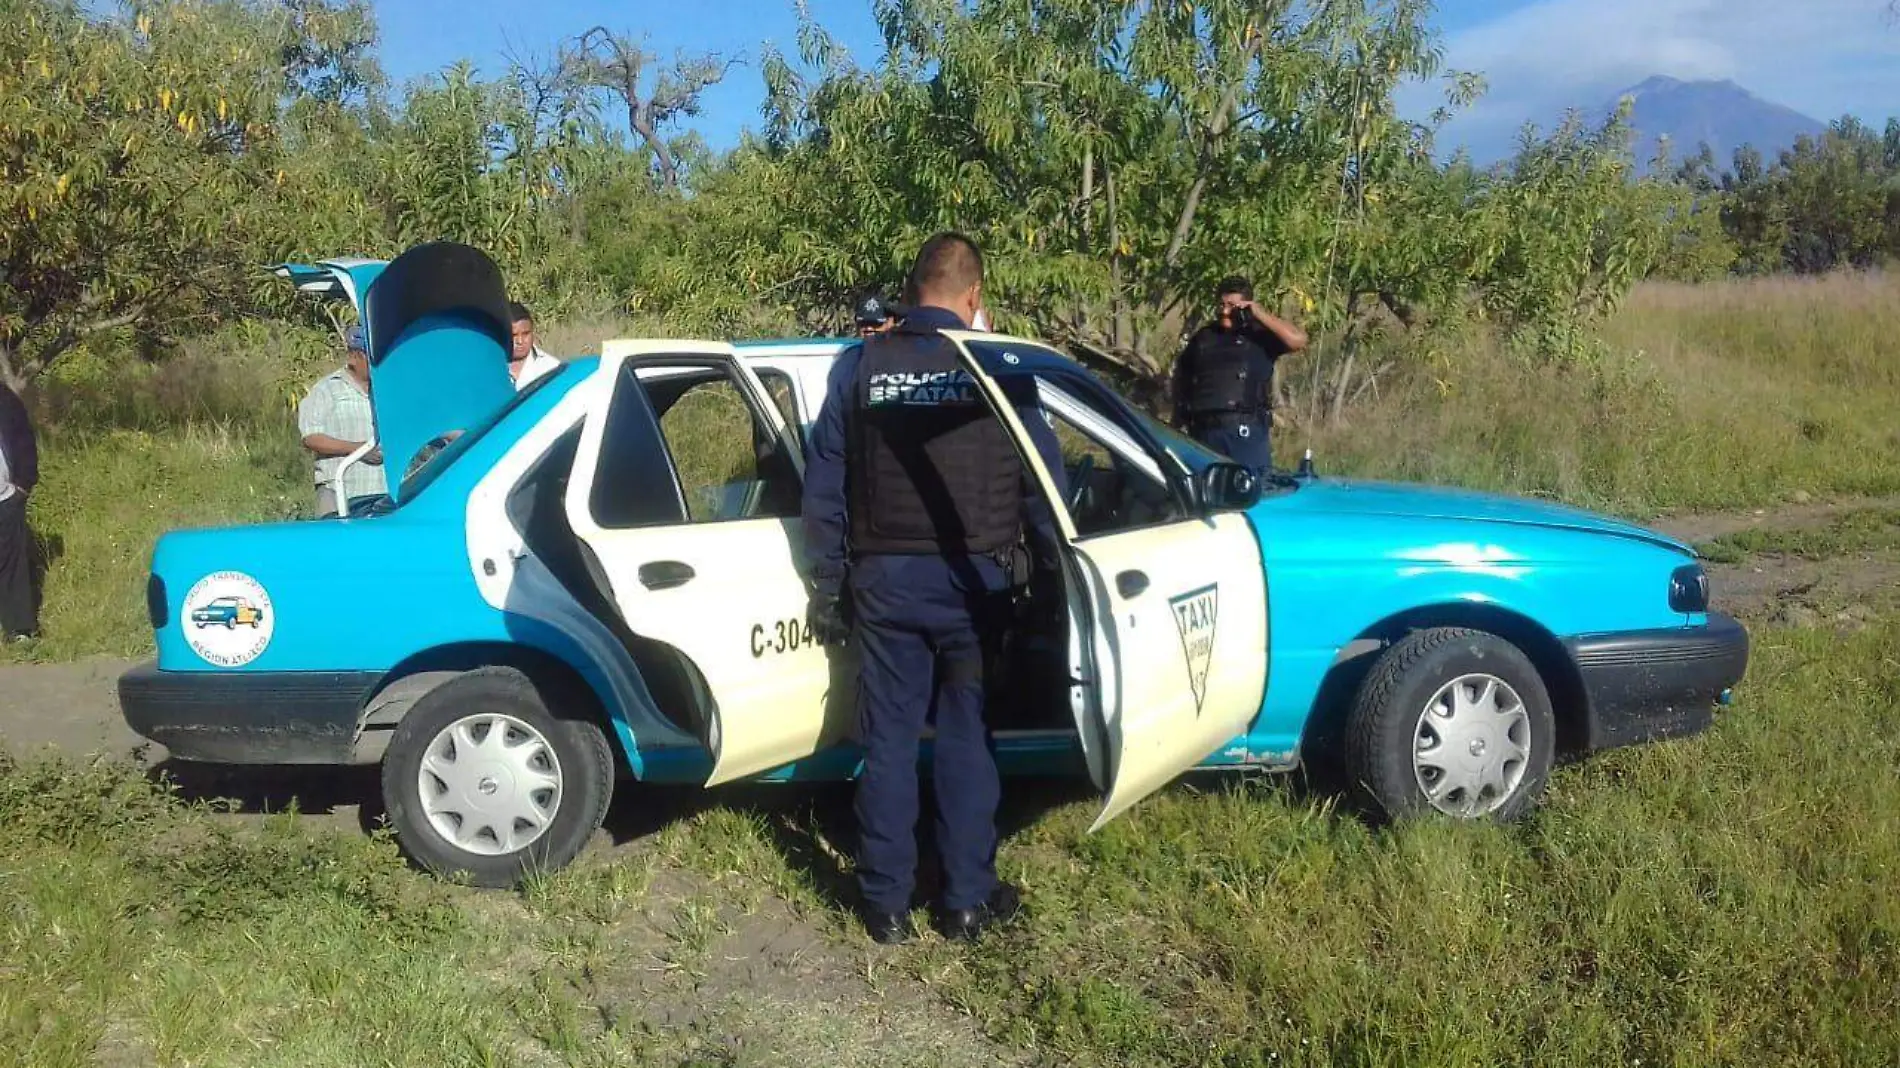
(1172, 627)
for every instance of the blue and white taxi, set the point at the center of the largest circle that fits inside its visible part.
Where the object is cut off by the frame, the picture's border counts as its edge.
(603, 574)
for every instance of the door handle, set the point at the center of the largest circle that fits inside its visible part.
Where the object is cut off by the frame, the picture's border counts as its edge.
(665, 574)
(1131, 583)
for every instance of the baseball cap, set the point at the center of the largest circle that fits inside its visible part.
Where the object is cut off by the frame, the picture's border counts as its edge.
(353, 337)
(871, 311)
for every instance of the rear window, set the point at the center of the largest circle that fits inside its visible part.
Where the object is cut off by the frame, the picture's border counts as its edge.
(431, 468)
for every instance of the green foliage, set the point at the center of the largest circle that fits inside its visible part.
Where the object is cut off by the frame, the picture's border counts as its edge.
(1572, 233)
(1826, 203)
(139, 162)
(1113, 157)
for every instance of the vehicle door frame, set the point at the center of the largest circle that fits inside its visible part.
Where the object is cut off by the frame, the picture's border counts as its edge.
(634, 357)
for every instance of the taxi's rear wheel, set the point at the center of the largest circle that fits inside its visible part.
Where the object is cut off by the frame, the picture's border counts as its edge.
(1454, 722)
(483, 782)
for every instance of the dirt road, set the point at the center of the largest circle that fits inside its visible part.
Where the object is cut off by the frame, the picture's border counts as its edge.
(70, 707)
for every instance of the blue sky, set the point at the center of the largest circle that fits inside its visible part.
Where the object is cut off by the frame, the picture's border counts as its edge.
(1822, 57)
(423, 36)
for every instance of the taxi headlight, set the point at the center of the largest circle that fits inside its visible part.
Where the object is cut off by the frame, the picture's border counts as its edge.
(1689, 589)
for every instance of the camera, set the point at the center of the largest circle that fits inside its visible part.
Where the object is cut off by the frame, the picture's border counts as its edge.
(1241, 317)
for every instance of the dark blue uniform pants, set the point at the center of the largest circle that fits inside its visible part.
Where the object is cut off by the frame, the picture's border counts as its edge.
(923, 625)
(1245, 441)
(19, 607)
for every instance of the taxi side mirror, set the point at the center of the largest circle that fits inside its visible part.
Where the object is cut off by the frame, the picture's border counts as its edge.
(1226, 487)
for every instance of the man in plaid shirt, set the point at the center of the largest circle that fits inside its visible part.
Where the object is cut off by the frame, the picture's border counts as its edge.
(335, 421)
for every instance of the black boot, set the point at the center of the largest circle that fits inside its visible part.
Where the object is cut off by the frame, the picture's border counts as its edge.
(886, 928)
(1005, 904)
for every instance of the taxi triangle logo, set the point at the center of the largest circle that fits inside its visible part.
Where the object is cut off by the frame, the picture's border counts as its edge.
(1194, 615)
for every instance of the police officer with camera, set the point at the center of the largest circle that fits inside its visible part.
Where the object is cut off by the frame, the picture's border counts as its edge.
(918, 514)
(1223, 380)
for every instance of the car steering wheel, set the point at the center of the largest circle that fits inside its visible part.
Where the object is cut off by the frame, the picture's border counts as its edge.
(1079, 483)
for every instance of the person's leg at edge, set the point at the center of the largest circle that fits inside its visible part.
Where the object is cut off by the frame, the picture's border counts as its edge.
(968, 785)
(18, 614)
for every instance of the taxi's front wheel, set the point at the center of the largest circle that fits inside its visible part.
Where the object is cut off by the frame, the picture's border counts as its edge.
(1453, 721)
(483, 782)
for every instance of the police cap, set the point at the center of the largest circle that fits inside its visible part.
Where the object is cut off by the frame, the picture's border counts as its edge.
(871, 311)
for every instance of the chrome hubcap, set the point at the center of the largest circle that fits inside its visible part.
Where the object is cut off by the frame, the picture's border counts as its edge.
(490, 784)
(1472, 746)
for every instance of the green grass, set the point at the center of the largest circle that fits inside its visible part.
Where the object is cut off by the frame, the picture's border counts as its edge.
(1726, 900)
(154, 933)
(1862, 530)
(106, 497)
(130, 450)
(136, 928)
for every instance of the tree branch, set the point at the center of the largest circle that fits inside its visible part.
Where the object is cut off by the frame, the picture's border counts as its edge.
(1218, 126)
(1127, 358)
(110, 322)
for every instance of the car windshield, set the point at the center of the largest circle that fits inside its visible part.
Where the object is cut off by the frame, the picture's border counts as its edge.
(1192, 454)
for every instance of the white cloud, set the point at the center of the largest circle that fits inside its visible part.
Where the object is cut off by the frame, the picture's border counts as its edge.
(1822, 57)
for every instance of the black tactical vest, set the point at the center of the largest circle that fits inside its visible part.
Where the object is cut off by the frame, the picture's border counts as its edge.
(932, 469)
(1222, 376)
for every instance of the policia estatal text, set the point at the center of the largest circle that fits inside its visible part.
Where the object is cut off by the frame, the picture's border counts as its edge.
(1223, 380)
(916, 502)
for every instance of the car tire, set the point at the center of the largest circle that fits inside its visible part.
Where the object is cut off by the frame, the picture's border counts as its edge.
(460, 717)
(1451, 721)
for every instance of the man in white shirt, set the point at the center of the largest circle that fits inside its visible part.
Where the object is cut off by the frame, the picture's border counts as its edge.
(19, 473)
(526, 361)
(335, 420)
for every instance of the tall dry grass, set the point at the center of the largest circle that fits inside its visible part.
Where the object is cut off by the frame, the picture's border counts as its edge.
(1731, 395)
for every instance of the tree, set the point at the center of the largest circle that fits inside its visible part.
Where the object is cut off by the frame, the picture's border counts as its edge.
(1834, 194)
(1114, 157)
(1577, 230)
(604, 60)
(1825, 203)
(138, 162)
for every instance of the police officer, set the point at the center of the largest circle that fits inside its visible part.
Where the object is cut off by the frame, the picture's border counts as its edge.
(917, 502)
(875, 315)
(1223, 380)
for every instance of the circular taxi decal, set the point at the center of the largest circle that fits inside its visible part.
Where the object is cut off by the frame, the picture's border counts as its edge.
(228, 618)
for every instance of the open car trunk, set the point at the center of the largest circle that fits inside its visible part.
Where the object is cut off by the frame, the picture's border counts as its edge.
(436, 318)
